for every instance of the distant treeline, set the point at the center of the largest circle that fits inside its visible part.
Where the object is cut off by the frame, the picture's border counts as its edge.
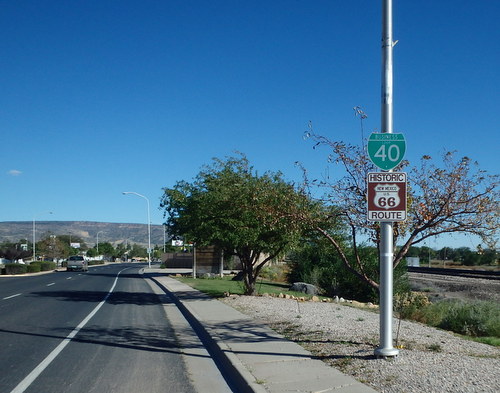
(462, 255)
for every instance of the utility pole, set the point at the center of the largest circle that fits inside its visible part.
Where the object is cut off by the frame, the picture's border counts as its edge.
(386, 228)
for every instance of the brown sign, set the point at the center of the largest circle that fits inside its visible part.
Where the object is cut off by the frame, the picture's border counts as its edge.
(386, 196)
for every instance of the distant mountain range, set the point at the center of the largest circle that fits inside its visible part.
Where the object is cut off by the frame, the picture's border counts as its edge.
(113, 233)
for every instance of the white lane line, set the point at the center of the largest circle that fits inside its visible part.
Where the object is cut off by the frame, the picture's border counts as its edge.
(26, 382)
(52, 283)
(10, 297)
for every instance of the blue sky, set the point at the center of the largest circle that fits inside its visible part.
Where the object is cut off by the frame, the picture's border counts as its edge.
(100, 97)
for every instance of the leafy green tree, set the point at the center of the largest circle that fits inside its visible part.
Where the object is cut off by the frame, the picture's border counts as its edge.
(426, 254)
(92, 252)
(67, 240)
(230, 206)
(14, 251)
(51, 247)
(447, 254)
(413, 252)
(470, 258)
(106, 248)
(488, 256)
(157, 252)
(121, 250)
(138, 252)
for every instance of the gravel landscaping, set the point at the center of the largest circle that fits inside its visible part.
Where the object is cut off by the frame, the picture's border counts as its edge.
(430, 360)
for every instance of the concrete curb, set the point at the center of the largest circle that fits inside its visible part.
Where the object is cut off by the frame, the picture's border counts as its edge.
(252, 357)
(242, 380)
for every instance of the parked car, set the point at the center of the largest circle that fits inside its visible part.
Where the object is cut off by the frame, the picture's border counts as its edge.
(77, 262)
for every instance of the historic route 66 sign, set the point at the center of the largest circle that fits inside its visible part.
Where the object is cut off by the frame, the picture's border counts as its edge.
(386, 196)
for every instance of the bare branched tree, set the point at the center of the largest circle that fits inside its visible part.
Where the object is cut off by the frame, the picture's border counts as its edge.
(455, 196)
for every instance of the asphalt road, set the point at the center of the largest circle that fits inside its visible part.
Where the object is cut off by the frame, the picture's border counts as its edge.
(101, 331)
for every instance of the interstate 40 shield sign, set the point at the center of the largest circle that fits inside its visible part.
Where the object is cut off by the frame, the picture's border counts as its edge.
(386, 150)
(386, 196)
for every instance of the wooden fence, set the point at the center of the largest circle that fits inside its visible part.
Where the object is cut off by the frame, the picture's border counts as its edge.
(208, 260)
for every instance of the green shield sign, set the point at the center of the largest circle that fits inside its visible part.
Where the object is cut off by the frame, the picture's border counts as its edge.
(386, 150)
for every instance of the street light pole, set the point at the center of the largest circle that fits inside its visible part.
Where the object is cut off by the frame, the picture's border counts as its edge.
(34, 238)
(97, 242)
(149, 223)
(164, 239)
(386, 228)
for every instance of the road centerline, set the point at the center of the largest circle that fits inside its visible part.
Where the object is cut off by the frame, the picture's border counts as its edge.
(10, 297)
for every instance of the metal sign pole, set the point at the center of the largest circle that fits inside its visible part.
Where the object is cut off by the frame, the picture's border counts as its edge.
(386, 231)
(194, 260)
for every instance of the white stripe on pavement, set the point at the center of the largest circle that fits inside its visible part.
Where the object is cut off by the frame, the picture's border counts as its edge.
(10, 297)
(26, 382)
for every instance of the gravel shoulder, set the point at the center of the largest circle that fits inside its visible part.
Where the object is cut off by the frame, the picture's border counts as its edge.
(345, 337)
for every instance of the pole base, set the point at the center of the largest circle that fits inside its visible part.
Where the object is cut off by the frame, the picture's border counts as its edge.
(386, 352)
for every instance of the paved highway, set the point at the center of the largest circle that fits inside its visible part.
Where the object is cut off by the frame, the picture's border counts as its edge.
(101, 331)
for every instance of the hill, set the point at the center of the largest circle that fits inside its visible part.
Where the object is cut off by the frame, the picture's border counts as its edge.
(114, 233)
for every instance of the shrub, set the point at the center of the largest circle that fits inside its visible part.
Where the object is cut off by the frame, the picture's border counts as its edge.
(476, 319)
(15, 268)
(274, 272)
(411, 305)
(47, 266)
(318, 264)
(33, 268)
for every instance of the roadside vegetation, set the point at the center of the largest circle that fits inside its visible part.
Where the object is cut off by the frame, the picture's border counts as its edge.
(231, 206)
(260, 218)
(314, 263)
(51, 250)
(221, 287)
(477, 319)
(35, 267)
(320, 226)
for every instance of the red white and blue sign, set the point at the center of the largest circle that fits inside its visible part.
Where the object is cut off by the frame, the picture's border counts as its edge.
(386, 196)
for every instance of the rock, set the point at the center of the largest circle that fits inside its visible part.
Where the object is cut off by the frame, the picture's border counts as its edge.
(315, 299)
(208, 275)
(336, 299)
(304, 287)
